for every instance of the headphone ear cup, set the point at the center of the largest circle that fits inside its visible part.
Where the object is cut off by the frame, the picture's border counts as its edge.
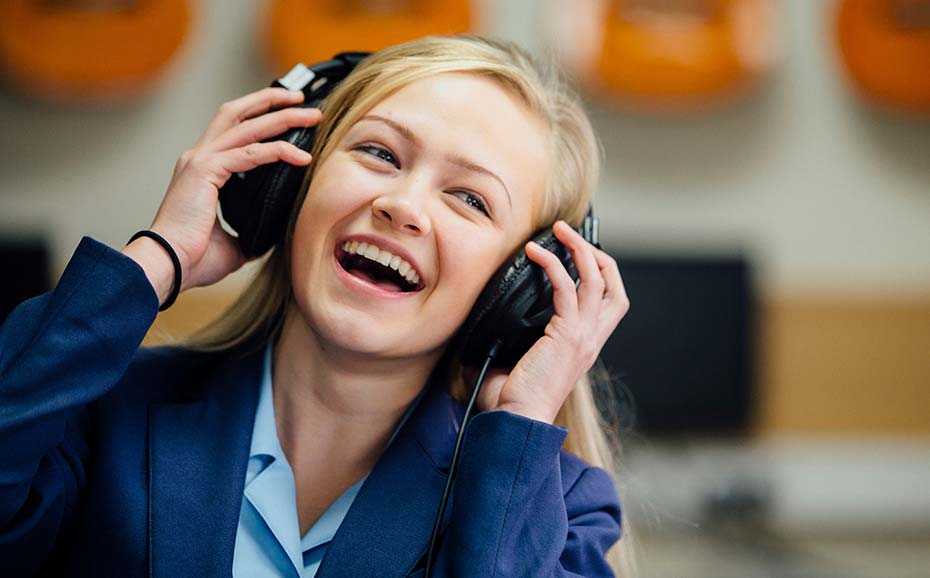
(258, 203)
(514, 308)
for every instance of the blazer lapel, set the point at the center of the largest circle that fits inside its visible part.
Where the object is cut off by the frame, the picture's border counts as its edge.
(388, 526)
(198, 454)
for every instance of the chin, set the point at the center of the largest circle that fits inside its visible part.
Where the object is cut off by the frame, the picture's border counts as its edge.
(354, 331)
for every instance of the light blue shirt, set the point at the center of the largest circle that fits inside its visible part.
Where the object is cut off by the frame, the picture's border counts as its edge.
(268, 540)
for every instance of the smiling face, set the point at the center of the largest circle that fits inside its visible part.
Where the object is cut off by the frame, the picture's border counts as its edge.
(443, 174)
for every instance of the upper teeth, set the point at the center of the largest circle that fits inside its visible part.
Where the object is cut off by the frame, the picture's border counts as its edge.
(384, 257)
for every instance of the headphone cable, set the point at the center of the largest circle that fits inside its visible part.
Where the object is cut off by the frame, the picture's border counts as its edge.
(455, 458)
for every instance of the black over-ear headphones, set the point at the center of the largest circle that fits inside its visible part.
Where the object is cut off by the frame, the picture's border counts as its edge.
(514, 307)
(509, 316)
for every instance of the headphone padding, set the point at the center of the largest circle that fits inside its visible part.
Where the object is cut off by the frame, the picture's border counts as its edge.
(514, 308)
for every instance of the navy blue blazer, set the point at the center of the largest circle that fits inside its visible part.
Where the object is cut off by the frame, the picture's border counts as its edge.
(117, 460)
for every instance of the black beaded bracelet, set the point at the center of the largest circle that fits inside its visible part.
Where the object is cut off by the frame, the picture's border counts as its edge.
(174, 260)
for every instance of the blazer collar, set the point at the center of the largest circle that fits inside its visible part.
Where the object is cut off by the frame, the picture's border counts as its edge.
(198, 454)
(387, 529)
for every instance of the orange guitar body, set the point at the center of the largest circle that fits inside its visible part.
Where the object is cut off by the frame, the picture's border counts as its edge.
(314, 30)
(680, 53)
(86, 51)
(885, 45)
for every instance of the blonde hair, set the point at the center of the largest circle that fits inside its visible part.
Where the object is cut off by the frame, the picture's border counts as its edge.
(574, 167)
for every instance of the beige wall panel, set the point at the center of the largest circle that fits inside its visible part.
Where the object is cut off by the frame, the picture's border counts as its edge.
(845, 366)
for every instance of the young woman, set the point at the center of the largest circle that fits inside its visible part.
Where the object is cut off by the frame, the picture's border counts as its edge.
(318, 414)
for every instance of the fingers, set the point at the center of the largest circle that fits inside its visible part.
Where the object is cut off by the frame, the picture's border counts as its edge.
(265, 127)
(600, 296)
(614, 289)
(234, 137)
(564, 297)
(258, 153)
(251, 105)
(591, 286)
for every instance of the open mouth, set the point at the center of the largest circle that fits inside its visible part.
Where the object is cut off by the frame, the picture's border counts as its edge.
(366, 265)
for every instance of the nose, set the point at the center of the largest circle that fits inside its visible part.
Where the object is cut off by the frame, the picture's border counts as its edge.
(402, 211)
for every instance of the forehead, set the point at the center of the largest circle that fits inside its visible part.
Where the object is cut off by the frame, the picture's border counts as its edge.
(466, 116)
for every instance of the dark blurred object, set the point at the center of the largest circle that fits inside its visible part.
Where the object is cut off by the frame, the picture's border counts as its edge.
(685, 350)
(738, 505)
(25, 266)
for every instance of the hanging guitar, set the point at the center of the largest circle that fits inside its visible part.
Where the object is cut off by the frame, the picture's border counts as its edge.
(885, 46)
(314, 30)
(90, 50)
(668, 54)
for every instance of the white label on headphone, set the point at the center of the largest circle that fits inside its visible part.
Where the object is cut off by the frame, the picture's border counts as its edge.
(298, 77)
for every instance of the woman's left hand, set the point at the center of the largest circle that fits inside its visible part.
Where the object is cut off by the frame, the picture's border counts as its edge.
(584, 318)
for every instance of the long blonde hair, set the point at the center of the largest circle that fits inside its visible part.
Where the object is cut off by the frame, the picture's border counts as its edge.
(574, 166)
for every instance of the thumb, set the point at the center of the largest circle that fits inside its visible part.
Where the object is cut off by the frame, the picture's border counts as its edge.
(491, 387)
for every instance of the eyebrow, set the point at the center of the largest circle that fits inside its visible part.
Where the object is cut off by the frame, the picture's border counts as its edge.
(454, 159)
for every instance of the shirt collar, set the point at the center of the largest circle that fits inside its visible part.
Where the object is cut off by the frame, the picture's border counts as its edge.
(266, 449)
(264, 432)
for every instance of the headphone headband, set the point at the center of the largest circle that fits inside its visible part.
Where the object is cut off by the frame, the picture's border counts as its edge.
(305, 78)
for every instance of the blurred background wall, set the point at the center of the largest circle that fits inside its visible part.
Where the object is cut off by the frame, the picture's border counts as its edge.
(830, 196)
(826, 196)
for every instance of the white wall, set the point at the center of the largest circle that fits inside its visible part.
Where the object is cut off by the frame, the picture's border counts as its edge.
(826, 194)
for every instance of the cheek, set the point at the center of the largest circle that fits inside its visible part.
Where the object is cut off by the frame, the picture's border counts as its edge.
(332, 199)
(323, 207)
(308, 244)
(334, 196)
(467, 268)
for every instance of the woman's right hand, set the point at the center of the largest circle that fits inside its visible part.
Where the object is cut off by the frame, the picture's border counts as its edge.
(187, 216)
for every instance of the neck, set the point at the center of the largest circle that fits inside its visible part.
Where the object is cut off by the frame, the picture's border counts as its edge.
(335, 408)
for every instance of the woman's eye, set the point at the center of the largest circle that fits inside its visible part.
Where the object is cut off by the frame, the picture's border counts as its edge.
(380, 153)
(472, 200)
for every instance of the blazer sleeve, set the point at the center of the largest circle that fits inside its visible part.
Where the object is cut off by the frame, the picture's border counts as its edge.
(59, 352)
(511, 516)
